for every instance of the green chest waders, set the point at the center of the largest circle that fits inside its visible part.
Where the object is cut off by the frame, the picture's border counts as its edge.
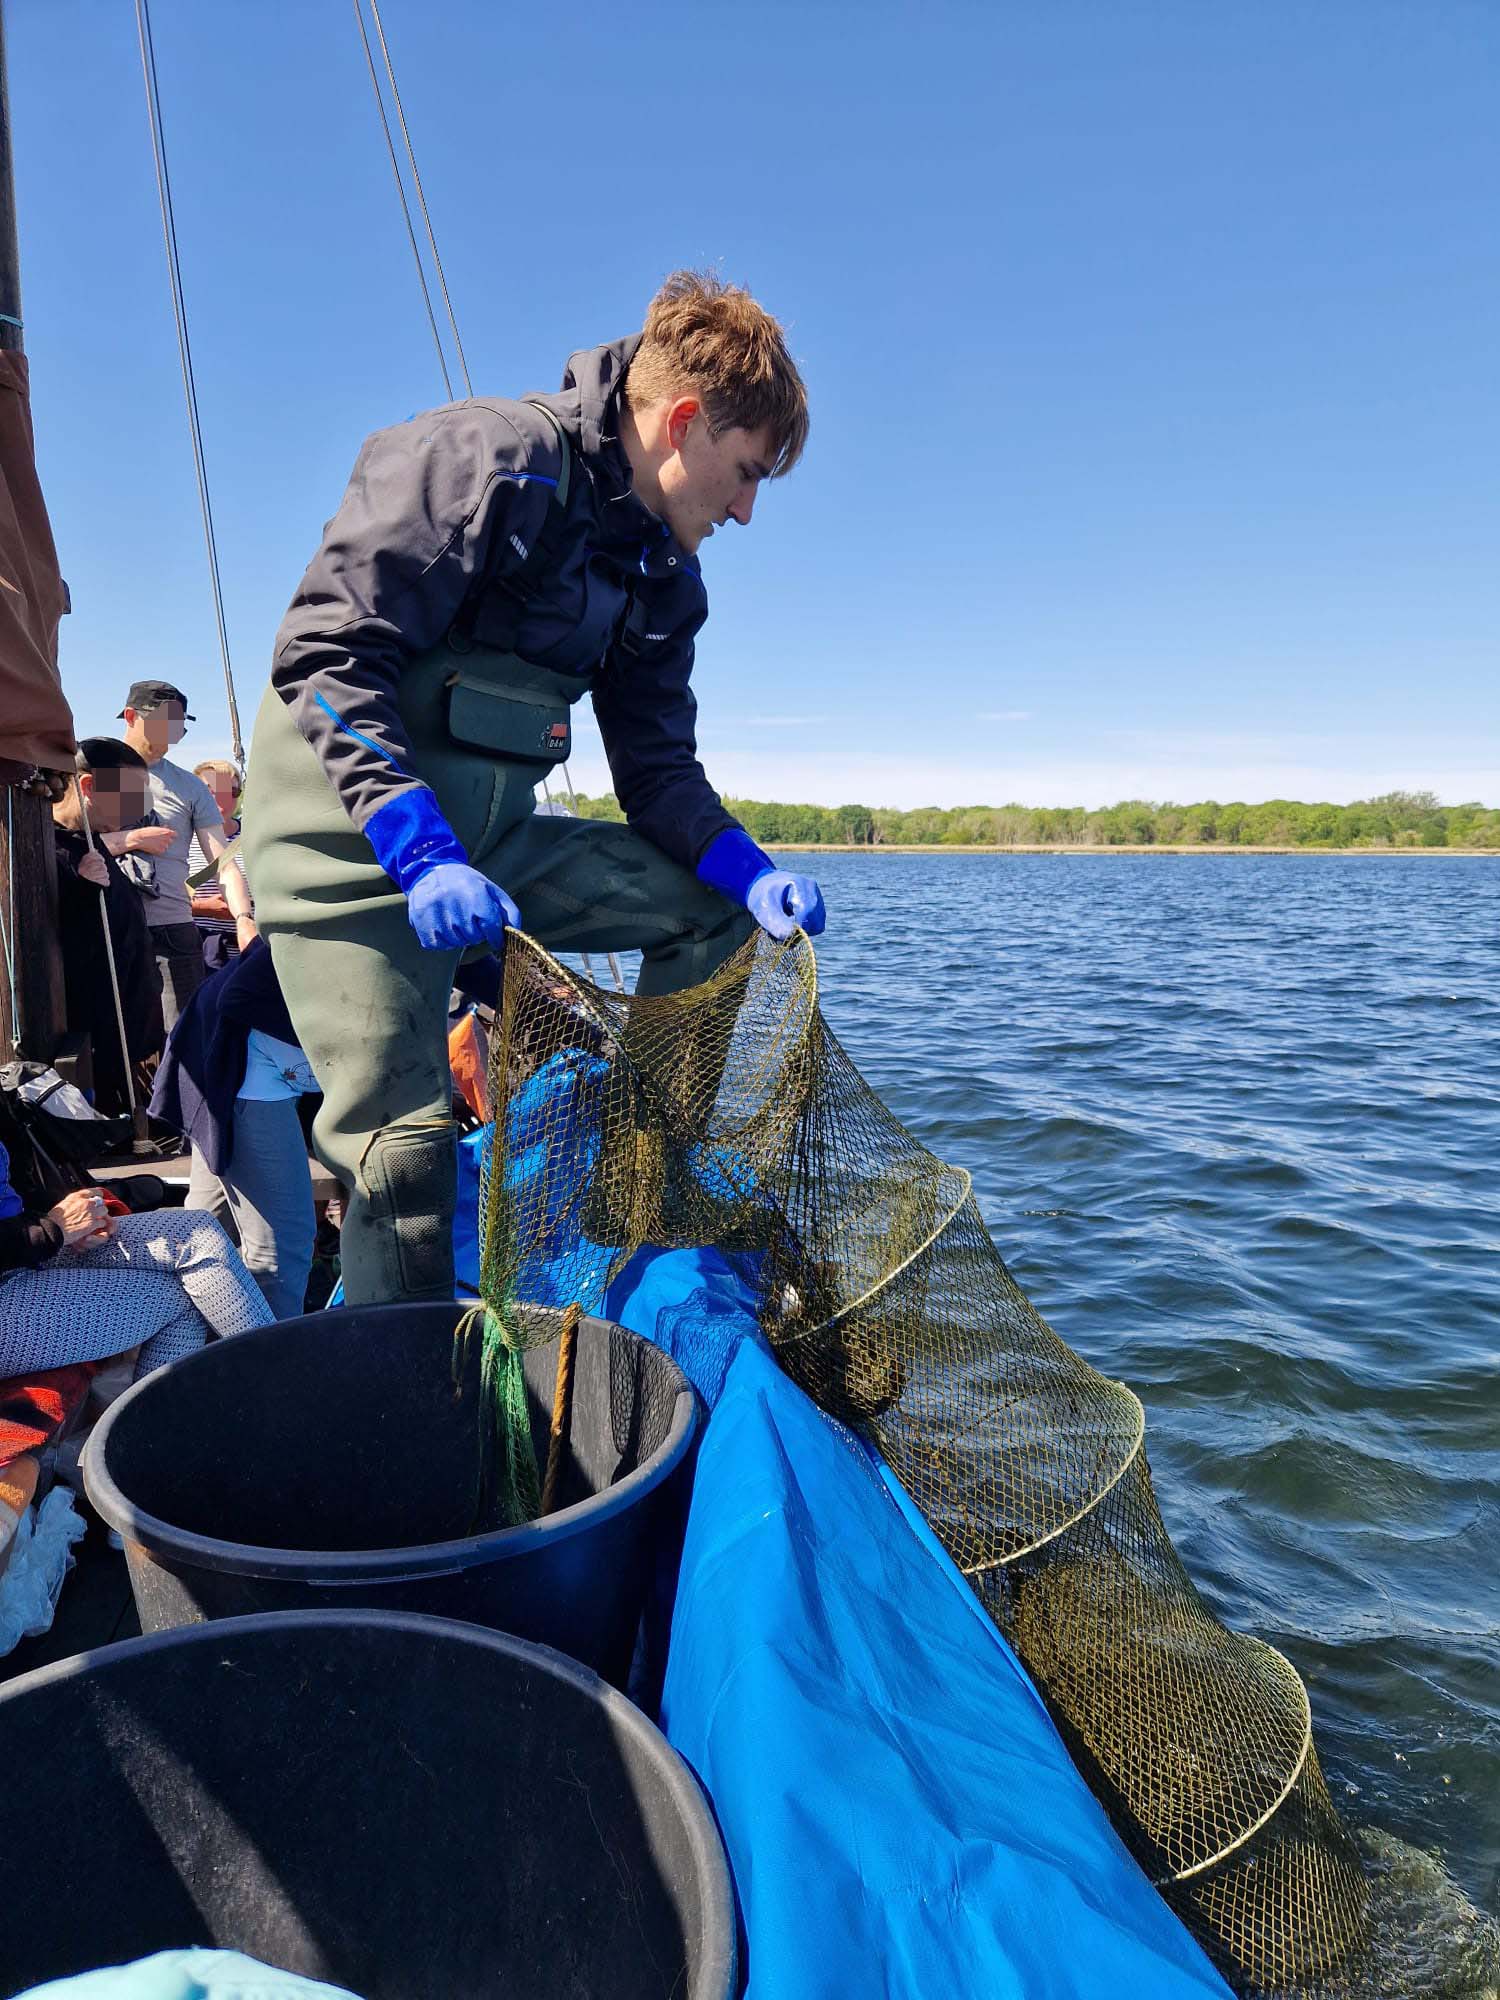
(369, 1004)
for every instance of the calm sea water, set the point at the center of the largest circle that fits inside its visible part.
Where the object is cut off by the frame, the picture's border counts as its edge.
(1235, 1124)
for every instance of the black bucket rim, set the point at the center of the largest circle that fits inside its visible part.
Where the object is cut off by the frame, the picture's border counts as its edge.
(717, 1942)
(334, 1569)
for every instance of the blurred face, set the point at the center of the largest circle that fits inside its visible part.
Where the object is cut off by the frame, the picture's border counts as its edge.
(153, 731)
(225, 787)
(116, 798)
(709, 479)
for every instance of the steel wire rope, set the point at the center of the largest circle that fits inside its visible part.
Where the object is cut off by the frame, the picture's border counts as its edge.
(411, 154)
(185, 353)
(390, 147)
(390, 70)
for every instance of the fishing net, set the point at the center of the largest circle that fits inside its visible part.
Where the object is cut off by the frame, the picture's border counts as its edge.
(730, 1116)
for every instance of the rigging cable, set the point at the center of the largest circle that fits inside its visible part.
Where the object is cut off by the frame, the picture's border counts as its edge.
(411, 155)
(390, 146)
(185, 353)
(421, 198)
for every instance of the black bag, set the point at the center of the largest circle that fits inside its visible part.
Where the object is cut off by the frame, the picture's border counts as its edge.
(49, 1155)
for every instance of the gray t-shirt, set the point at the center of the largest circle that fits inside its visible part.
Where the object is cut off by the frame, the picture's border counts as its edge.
(184, 803)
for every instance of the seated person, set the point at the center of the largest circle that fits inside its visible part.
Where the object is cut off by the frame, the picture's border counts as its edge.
(112, 781)
(211, 912)
(230, 1080)
(78, 1284)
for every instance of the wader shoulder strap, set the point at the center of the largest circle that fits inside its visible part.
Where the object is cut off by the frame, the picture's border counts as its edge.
(565, 470)
(521, 585)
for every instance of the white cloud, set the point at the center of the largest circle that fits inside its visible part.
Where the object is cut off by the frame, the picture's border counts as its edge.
(1003, 715)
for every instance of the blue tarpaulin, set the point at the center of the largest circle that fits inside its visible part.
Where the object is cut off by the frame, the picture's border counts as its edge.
(901, 1816)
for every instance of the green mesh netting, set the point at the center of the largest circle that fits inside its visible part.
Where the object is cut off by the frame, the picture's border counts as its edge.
(730, 1116)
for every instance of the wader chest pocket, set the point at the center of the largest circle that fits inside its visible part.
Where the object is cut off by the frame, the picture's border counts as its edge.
(527, 727)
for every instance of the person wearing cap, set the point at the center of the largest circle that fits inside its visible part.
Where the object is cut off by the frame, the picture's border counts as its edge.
(156, 717)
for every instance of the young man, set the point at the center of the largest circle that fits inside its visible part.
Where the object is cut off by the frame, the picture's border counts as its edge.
(155, 717)
(113, 781)
(490, 563)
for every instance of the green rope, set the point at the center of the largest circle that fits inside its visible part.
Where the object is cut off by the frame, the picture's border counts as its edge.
(510, 1487)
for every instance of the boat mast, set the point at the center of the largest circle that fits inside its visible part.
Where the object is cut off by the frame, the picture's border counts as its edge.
(31, 982)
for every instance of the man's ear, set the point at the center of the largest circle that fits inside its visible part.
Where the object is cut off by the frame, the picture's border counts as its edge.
(86, 783)
(680, 418)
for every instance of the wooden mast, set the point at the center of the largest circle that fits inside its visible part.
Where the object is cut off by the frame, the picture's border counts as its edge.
(28, 859)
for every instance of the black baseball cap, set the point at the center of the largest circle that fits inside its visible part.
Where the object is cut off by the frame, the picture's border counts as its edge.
(146, 695)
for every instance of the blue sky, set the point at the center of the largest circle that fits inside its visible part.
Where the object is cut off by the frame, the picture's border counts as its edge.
(1152, 351)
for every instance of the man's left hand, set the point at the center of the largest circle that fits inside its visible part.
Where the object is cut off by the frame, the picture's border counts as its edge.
(782, 903)
(779, 901)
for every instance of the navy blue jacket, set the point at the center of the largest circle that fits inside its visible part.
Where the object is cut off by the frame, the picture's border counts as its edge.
(200, 1074)
(26, 1239)
(440, 508)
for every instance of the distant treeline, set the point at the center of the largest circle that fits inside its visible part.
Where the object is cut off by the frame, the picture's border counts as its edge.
(1396, 819)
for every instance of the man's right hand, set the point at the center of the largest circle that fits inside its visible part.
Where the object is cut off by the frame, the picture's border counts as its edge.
(453, 906)
(92, 869)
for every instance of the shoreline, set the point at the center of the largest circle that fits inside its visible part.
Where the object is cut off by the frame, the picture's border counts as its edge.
(1145, 847)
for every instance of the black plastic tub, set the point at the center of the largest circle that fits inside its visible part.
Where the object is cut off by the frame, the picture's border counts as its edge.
(332, 1461)
(408, 1807)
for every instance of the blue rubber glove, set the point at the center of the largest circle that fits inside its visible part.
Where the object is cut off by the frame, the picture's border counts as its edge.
(779, 901)
(450, 904)
(782, 903)
(453, 906)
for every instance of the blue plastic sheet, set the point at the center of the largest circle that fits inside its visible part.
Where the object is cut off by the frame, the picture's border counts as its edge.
(901, 1816)
(471, 1151)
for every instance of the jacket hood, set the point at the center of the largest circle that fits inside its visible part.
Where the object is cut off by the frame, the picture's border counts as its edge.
(594, 375)
(589, 404)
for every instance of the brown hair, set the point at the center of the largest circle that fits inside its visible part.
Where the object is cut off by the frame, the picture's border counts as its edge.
(710, 339)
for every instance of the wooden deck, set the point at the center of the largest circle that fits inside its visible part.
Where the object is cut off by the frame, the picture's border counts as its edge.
(175, 1170)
